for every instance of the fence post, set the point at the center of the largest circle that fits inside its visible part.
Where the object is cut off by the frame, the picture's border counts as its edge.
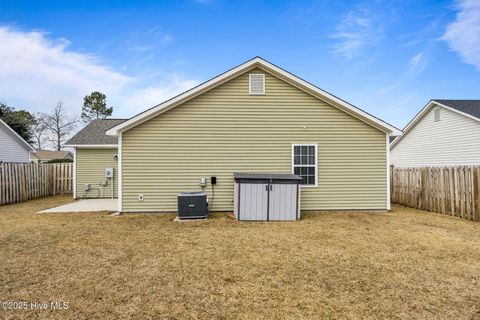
(22, 181)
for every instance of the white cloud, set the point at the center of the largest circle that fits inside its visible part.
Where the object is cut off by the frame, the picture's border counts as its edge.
(164, 37)
(463, 35)
(36, 72)
(418, 63)
(152, 95)
(354, 32)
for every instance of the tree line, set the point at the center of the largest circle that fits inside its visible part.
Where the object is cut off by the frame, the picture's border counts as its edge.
(50, 130)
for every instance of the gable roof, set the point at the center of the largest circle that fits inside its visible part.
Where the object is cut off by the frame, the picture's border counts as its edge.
(49, 154)
(268, 67)
(467, 108)
(471, 107)
(93, 134)
(15, 136)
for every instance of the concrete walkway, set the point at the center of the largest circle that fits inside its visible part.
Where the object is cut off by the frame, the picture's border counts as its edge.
(86, 205)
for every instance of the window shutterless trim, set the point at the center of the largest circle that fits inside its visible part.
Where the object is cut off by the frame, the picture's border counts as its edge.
(315, 145)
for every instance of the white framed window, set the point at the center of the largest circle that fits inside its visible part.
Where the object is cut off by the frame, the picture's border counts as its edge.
(256, 84)
(304, 163)
(436, 114)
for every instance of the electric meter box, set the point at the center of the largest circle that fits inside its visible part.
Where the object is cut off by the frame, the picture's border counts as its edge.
(109, 173)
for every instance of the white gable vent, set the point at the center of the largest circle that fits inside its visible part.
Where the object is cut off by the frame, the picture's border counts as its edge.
(257, 83)
(436, 114)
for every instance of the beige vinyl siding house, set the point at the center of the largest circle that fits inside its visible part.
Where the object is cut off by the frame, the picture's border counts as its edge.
(94, 152)
(441, 135)
(227, 130)
(90, 168)
(225, 126)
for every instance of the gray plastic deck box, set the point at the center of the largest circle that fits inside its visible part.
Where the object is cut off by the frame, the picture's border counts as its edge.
(267, 196)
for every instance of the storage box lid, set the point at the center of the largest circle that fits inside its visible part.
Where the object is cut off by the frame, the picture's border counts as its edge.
(192, 194)
(266, 177)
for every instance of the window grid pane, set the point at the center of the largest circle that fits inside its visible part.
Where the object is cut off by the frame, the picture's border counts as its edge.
(304, 163)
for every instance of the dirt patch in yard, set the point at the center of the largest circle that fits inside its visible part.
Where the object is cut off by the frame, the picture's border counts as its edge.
(404, 264)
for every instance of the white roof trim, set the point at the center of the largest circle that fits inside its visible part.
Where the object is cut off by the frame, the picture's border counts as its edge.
(425, 110)
(16, 136)
(269, 67)
(109, 146)
(457, 111)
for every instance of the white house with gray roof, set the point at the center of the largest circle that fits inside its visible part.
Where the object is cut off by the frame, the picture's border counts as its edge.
(443, 133)
(13, 148)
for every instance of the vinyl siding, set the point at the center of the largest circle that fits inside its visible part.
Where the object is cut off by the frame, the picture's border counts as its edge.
(226, 130)
(11, 150)
(90, 168)
(454, 140)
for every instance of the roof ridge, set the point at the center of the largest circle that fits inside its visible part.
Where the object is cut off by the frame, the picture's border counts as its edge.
(271, 68)
(111, 119)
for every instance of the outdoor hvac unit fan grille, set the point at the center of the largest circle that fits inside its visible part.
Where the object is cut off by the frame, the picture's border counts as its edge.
(192, 205)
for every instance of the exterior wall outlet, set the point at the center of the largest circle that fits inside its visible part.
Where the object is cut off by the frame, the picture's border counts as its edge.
(109, 173)
(140, 197)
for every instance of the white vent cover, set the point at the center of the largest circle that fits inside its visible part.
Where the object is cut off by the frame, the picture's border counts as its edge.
(436, 114)
(257, 83)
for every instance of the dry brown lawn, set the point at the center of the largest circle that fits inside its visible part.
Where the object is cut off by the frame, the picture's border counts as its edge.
(405, 264)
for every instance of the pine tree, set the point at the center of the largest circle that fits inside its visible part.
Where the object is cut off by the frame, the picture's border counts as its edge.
(95, 107)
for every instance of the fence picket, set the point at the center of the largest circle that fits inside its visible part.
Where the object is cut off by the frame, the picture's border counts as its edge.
(20, 181)
(448, 190)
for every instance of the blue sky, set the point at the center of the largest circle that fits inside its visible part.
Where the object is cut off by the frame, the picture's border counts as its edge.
(387, 57)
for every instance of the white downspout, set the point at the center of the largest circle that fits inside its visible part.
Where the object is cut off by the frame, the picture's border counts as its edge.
(119, 165)
(388, 170)
(74, 172)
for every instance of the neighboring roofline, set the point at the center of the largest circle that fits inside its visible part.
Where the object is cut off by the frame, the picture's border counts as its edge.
(269, 67)
(109, 146)
(468, 115)
(34, 155)
(422, 113)
(16, 136)
(69, 141)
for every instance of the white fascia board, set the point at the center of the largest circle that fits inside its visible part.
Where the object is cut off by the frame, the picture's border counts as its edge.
(187, 95)
(335, 101)
(457, 111)
(106, 146)
(256, 62)
(431, 104)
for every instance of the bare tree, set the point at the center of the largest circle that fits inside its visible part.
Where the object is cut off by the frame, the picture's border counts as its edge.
(39, 130)
(60, 126)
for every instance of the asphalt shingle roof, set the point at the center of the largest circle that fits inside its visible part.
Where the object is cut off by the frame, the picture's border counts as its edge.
(49, 155)
(94, 133)
(472, 107)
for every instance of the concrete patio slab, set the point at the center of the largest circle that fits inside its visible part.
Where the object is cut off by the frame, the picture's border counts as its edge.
(86, 205)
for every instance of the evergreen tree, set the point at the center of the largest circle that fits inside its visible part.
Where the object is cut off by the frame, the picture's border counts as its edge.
(95, 107)
(21, 121)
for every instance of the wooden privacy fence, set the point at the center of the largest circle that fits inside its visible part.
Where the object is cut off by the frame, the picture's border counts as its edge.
(449, 190)
(24, 181)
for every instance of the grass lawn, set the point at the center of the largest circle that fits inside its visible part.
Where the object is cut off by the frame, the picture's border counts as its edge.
(404, 264)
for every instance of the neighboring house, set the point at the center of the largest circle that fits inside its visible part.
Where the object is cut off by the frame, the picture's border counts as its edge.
(253, 118)
(443, 133)
(94, 151)
(13, 148)
(42, 156)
